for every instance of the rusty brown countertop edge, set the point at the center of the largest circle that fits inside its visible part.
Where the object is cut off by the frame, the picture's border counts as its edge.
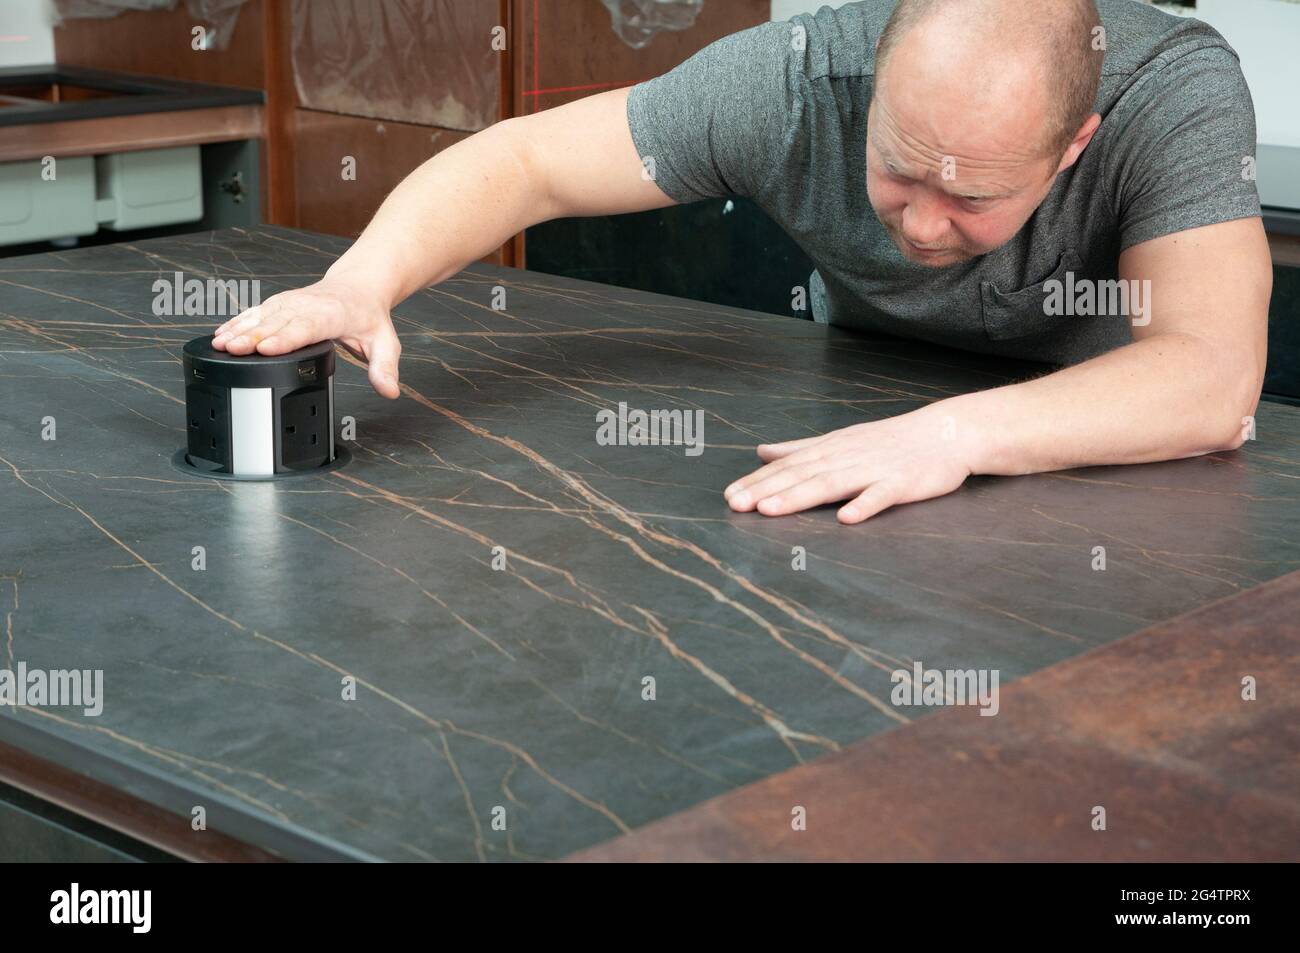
(122, 812)
(885, 807)
(108, 134)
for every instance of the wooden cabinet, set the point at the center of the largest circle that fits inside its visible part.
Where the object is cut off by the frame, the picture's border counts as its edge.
(333, 91)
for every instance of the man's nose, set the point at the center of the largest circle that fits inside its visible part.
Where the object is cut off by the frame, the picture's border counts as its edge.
(924, 220)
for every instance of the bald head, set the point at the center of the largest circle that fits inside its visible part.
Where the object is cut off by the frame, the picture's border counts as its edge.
(988, 43)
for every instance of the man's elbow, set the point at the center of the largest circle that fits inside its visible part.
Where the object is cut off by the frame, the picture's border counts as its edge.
(1239, 393)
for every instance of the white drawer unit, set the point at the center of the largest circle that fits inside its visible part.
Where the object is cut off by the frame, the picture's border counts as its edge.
(43, 199)
(40, 200)
(149, 187)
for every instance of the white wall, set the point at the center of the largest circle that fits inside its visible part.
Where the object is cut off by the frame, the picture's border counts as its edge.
(1266, 35)
(785, 9)
(26, 34)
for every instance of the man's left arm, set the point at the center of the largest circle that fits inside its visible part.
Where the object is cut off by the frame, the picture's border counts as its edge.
(1181, 389)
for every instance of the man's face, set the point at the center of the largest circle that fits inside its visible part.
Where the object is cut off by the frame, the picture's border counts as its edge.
(953, 175)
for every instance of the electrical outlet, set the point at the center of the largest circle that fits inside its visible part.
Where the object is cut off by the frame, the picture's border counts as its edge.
(304, 428)
(208, 427)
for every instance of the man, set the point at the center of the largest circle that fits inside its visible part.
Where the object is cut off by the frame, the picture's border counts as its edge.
(976, 173)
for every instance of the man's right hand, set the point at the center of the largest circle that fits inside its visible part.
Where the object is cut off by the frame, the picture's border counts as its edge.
(332, 308)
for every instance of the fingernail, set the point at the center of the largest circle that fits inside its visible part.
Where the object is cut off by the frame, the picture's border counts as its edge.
(269, 340)
(741, 498)
(242, 339)
(849, 513)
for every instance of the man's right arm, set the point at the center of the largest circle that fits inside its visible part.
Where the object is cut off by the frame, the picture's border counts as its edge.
(574, 160)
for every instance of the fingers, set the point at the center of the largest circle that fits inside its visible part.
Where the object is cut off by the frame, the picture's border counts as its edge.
(295, 319)
(385, 349)
(745, 493)
(288, 335)
(769, 452)
(760, 486)
(794, 488)
(874, 465)
(283, 323)
(260, 329)
(238, 335)
(221, 330)
(874, 499)
(827, 486)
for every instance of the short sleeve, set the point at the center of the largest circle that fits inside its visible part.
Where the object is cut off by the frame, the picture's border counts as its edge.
(1182, 153)
(715, 125)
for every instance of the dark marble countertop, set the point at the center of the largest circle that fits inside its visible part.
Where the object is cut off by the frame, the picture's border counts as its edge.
(518, 693)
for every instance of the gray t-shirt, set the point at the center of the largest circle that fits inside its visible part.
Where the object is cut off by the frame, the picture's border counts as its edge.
(752, 115)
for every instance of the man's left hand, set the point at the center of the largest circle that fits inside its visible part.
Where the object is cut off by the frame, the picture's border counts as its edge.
(903, 459)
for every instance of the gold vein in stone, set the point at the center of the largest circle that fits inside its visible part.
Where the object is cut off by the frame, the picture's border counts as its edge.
(618, 512)
(310, 656)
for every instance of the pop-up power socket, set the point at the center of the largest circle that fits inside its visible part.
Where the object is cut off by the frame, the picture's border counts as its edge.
(254, 417)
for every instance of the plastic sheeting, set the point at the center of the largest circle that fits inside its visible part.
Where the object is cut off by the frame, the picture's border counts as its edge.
(219, 16)
(428, 62)
(637, 21)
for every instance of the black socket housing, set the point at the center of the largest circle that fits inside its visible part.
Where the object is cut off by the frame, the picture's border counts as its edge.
(300, 401)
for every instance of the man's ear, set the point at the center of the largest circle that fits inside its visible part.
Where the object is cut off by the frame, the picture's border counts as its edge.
(1080, 142)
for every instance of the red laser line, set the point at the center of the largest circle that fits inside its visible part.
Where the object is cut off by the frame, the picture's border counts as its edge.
(536, 93)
